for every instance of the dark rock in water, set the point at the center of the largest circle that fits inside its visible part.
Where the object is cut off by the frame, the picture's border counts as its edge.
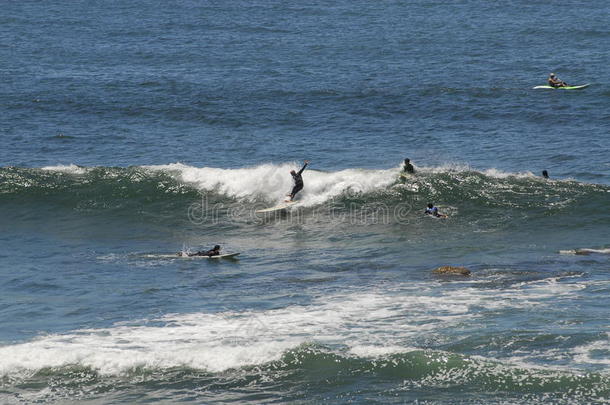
(462, 271)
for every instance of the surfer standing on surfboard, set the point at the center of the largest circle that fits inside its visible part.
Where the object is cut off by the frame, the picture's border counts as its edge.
(298, 181)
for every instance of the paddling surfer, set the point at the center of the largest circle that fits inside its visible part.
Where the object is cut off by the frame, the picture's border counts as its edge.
(554, 81)
(298, 181)
(212, 252)
(432, 210)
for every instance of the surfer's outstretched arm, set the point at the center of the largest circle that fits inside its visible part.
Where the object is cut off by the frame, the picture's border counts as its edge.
(303, 168)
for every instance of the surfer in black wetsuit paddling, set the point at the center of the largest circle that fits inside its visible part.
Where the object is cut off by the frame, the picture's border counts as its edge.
(555, 82)
(298, 181)
(211, 252)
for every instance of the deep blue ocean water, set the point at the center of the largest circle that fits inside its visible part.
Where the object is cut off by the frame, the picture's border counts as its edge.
(134, 130)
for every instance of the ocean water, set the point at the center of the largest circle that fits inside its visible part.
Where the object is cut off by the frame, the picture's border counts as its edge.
(134, 130)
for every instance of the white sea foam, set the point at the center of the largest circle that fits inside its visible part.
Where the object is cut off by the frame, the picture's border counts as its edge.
(217, 342)
(366, 323)
(273, 182)
(499, 174)
(70, 169)
(597, 352)
(378, 351)
(461, 167)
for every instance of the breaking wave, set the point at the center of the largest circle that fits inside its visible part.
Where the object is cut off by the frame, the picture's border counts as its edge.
(268, 183)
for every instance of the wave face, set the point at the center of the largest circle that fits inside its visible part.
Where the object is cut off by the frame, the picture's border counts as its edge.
(421, 375)
(104, 187)
(499, 212)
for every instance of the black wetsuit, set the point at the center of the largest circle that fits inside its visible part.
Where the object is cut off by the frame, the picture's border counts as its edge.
(555, 82)
(433, 211)
(298, 182)
(210, 253)
(408, 168)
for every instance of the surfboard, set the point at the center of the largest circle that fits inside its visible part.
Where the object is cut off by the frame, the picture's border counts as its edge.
(582, 86)
(585, 251)
(223, 256)
(282, 206)
(183, 255)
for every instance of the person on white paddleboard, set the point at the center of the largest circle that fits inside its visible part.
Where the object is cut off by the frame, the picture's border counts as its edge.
(298, 181)
(212, 252)
(554, 81)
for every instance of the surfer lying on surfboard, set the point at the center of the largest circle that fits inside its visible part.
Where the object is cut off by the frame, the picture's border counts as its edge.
(432, 210)
(212, 252)
(298, 181)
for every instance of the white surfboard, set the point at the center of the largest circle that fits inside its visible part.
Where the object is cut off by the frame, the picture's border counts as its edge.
(580, 87)
(222, 256)
(184, 255)
(585, 251)
(282, 206)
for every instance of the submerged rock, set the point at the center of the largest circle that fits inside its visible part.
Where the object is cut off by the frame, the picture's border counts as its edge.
(462, 271)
